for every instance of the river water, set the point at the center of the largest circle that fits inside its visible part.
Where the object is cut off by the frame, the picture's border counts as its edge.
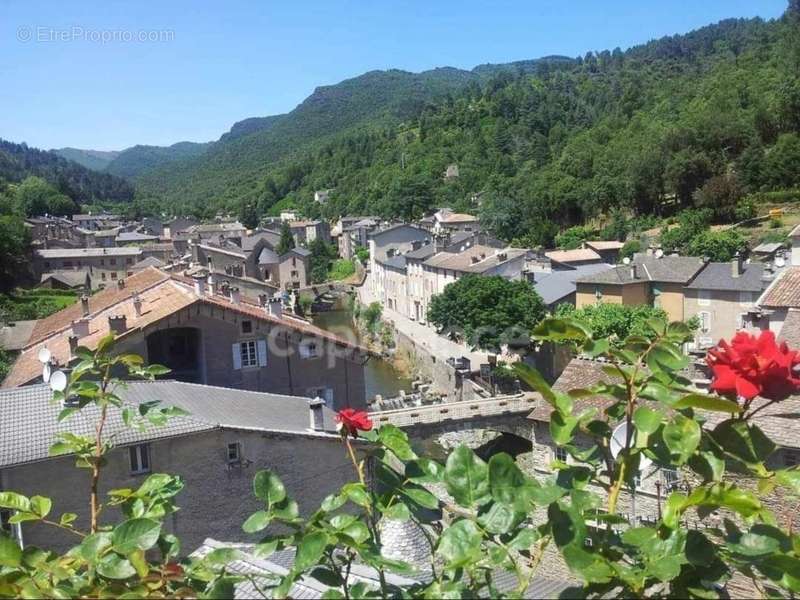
(380, 375)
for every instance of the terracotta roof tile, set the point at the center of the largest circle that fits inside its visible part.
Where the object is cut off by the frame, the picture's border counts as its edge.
(784, 291)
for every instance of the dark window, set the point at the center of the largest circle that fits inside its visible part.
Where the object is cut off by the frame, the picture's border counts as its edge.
(113, 276)
(247, 327)
(128, 261)
(112, 261)
(234, 452)
(140, 459)
(560, 453)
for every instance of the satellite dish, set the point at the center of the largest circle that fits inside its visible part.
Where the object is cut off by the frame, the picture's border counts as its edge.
(659, 253)
(58, 381)
(618, 438)
(780, 261)
(44, 355)
(46, 372)
(626, 260)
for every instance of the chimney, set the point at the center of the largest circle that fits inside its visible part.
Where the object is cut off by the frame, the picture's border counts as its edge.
(212, 283)
(275, 307)
(120, 284)
(474, 259)
(199, 285)
(262, 300)
(117, 323)
(137, 305)
(501, 256)
(80, 328)
(316, 415)
(236, 296)
(737, 266)
(73, 344)
(85, 305)
(634, 271)
(441, 241)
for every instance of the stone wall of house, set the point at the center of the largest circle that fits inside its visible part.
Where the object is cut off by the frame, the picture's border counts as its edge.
(217, 497)
(285, 372)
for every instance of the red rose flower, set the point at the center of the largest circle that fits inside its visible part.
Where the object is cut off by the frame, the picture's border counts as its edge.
(753, 366)
(353, 421)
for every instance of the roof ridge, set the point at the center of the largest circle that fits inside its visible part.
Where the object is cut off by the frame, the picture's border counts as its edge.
(127, 297)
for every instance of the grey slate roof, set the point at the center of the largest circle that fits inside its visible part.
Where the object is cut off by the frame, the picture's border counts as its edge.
(394, 262)
(668, 269)
(135, 236)
(68, 277)
(767, 248)
(271, 237)
(267, 257)
(14, 336)
(421, 253)
(87, 252)
(150, 261)
(719, 276)
(299, 251)
(554, 286)
(28, 417)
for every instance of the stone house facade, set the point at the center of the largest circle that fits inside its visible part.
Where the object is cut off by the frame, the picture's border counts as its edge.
(216, 450)
(205, 338)
(104, 264)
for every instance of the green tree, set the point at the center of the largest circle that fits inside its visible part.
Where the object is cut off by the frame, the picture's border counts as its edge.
(718, 246)
(721, 195)
(487, 311)
(35, 197)
(614, 322)
(286, 241)
(15, 242)
(248, 215)
(573, 237)
(322, 254)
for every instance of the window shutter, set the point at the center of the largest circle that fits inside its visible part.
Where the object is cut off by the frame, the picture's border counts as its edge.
(329, 397)
(237, 357)
(261, 346)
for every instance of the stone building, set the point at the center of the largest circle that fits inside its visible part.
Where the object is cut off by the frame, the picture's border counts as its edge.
(216, 449)
(103, 264)
(203, 337)
(722, 297)
(647, 280)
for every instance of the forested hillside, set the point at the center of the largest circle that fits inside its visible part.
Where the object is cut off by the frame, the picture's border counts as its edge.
(235, 166)
(134, 161)
(19, 161)
(97, 160)
(694, 120)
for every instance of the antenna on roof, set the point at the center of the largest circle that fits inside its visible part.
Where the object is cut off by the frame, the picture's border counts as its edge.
(780, 262)
(659, 253)
(626, 260)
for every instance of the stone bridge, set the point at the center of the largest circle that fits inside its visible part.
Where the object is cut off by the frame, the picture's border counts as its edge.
(502, 414)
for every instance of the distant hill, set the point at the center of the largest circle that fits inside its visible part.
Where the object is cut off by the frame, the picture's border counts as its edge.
(233, 165)
(18, 161)
(134, 161)
(96, 160)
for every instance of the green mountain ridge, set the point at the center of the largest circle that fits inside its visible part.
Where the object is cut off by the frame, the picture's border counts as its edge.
(96, 160)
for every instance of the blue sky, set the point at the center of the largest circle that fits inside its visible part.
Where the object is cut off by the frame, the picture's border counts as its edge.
(220, 62)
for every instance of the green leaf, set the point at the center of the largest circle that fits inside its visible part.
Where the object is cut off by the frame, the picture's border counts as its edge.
(753, 544)
(711, 403)
(534, 379)
(94, 545)
(113, 566)
(639, 536)
(646, 419)
(222, 556)
(268, 487)
(67, 519)
(422, 497)
(424, 470)
(562, 427)
(508, 484)
(135, 534)
(257, 521)
(500, 518)
(396, 440)
(397, 511)
(682, 436)
(10, 552)
(523, 541)
(744, 441)
(222, 589)
(561, 330)
(665, 357)
(309, 550)
(333, 502)
(460, 544)
(466, 477)
(41, 506)
(14, 501)
(357, 494)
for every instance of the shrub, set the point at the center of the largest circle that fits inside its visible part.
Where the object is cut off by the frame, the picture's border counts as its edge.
(342, 268)
(630, 248)
(718, 246)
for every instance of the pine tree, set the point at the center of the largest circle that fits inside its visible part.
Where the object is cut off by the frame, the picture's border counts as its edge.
(286, 242)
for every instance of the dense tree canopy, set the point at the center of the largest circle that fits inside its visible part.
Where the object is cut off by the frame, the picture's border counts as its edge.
(614, 322)
(487, 311)
(15, 243)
